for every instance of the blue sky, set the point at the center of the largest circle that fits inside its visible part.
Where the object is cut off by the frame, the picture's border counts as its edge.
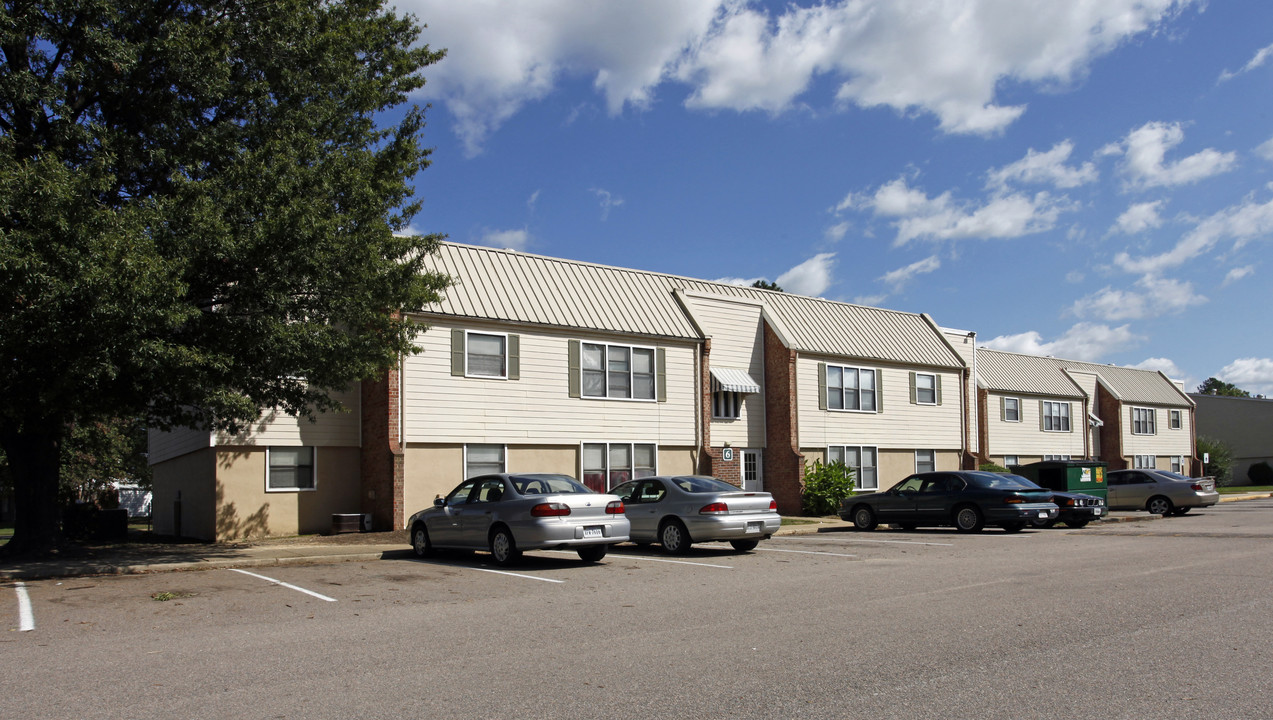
(1091, 180)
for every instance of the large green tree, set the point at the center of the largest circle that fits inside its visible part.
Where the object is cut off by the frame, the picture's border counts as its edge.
(1216, 386)
(199, 215)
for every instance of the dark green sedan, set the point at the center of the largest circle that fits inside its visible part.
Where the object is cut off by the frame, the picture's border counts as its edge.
(967, 499)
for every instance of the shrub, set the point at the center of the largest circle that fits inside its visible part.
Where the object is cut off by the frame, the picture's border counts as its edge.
(824, 487)
(1260, 473)
(992, 467)
(1221, 465)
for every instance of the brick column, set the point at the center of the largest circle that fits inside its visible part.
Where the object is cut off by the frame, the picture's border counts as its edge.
(1111, 430)
(381, 461)
(784, 463)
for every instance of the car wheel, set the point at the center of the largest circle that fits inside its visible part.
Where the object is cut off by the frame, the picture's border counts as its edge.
(420, 543)
(864, 518)
(1179, 511)
(907, 526)
(1043, 523)
(503, 550)
(1158, 505)
(593, 553)
(1013, 527)
(744, 545)
(674, 537)
(1076, 524)
(968, 518)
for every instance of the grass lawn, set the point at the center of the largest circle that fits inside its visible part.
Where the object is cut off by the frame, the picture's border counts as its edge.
(1230, 490)
(800, 521)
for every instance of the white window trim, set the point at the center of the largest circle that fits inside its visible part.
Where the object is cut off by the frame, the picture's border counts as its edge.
(606, 457)
(503, 456)
(876, 390)
(605, 366)
(934, 453)
(1068, 420)
(313, 454)
(1152, 420)
(844, 451)
(919, 375)
(1056, 458)
(1017, 400)
(1175, 420)
(468, 345)
(737, 404)
(1177, 463)
(1016, 460)
(1138, 462)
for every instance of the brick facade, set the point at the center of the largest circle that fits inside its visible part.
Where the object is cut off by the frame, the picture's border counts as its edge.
(1111, 432)
(784, 463)
(381, 461)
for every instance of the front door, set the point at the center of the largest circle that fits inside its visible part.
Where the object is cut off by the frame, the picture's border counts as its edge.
(753, 480)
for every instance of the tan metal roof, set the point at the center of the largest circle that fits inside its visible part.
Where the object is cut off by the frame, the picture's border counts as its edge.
(1012, 372)
(519, 287)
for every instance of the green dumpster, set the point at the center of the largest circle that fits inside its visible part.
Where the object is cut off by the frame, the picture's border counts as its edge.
(1077, 476)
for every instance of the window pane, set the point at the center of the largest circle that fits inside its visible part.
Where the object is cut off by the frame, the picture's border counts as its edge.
(925, 389)
(593, 356)
(620, 464)
(594, 383)
(486, 355)
(593, 374)
(835, 453)
(483, 460)
(643, 361)
(643, 374)
(868, 390)
(644, 460)
(853, 457)
(594, 467)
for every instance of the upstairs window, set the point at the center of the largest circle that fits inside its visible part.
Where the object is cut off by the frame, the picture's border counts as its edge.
(485, 355)
(849, 388)
(1011, 408)
(1143, 421)
(617, 371)
(1174, 420)
(925, 388)
(1055, 416)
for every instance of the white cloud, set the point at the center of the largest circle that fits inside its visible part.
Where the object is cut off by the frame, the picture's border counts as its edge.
(1164, 365)
(1237, 274)
(532, 201)
(1151, 297)
(1255, 375)
(1044, 168)
(913, 56)
(508, 239)
(1144, 152)
(1084, 341)
(608, 200)
(836, 232)
(1074, 277)
(744, 282)
(811, 277)
(1265, 149)
(1138, 218)
(1261, 55)
(920, 217)
(899, 277)
(1242, 223)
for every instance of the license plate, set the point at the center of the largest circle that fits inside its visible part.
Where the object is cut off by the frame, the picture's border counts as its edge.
(592, 532)
(1098, 511)
(1043, 514)
(755, 527)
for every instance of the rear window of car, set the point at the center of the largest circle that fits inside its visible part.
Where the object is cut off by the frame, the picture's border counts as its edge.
(999, 481)
(703, 484)
(547, 485)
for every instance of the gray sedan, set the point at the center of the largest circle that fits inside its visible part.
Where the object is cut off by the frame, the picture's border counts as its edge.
(508, 514)
(676, 511)
(1161, 492)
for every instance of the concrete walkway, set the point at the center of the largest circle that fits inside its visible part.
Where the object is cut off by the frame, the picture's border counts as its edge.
(140, 558)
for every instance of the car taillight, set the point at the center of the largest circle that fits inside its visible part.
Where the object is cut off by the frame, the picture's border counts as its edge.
(773, 504)
(1196, 487)
(714, 509)
(1014, 499)
(550, 510)
(616, 508)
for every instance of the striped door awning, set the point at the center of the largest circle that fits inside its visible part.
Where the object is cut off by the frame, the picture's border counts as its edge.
(733, 380)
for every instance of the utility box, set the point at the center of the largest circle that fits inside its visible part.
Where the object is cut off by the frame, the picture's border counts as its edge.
(1076, 476)
(351, 523)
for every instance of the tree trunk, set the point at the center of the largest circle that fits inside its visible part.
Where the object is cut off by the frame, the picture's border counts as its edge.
(34, 454)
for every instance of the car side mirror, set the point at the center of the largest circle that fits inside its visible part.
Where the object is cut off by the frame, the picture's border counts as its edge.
(439, 502)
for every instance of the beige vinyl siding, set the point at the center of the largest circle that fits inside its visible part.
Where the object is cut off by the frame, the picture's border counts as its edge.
(1025, 438)
(965, 345)
(1164, 441)
(1086, 381)
(899, 425)
(894, 466)
(274, 427)
(735, 330)
(166, 445)
(537, 408)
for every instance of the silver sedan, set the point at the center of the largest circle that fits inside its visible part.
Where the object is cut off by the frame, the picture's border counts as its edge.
(676, 511)
(1161, 492)
(510, 513)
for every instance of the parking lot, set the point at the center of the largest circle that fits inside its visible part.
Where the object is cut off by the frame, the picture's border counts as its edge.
(1163, 618)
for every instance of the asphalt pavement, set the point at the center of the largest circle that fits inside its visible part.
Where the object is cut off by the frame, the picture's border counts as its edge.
(154, 557)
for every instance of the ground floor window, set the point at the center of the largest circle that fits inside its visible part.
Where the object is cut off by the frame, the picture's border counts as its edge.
(1010, 460)
(925, 461)
(483, 460)
(289, 468)
(606, 465)
(1178, 464)
(1047, 458)
(861, 459)
(1143, 462)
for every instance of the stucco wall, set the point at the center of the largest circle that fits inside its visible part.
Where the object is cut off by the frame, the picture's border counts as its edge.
(245, 509)
(192, 479)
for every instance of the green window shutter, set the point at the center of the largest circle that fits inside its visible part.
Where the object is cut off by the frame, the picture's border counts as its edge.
(879, 390)
(1072, 418)
(822, 386)
(457, 352)
(937, 387)
(574, 369)
(514, 357)
(914, 401)
(1040, 415)
(1003, 409)
(660, 374)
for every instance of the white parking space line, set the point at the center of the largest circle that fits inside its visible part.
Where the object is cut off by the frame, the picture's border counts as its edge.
(26, 619)
(286, 585)
(663, 560)
(800, 552)
(511, 574)
(901, 542)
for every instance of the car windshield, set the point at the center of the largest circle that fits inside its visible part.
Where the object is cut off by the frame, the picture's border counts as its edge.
(700, 484)
(547, 485)
(1000, 481)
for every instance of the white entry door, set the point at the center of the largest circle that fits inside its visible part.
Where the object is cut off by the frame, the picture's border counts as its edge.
(752, 474)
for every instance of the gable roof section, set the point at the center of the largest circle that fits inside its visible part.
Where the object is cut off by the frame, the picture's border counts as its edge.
(1013, 372)
(518, 287)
